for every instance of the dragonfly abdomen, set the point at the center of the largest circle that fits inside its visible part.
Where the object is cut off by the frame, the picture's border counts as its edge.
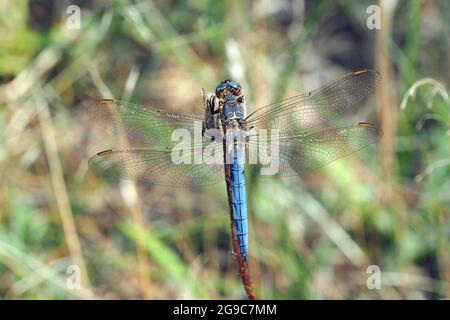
(239, 199)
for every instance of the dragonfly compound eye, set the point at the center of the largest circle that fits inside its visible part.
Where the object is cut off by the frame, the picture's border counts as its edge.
(220, 89)
(237, 91)
(228, 86)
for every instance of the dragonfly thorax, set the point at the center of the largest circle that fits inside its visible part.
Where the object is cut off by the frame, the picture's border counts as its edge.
(229, 100)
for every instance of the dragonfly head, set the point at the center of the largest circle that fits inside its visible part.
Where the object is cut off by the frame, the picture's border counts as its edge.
(230, 101)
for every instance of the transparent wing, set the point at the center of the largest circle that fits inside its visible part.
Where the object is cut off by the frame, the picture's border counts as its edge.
(141, 125)
(292, 155)
(311, 112)
(161, 167)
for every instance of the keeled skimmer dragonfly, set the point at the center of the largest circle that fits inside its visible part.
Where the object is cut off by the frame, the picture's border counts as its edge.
(296, 135)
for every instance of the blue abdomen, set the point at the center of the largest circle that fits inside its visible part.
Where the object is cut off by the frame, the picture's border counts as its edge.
(239, 199)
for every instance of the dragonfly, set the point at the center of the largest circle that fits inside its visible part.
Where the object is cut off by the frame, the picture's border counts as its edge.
(294, 136)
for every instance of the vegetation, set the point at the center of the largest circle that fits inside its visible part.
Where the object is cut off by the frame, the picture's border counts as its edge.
(312, 236)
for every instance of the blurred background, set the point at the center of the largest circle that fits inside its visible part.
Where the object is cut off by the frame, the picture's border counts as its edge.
(67, 233)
